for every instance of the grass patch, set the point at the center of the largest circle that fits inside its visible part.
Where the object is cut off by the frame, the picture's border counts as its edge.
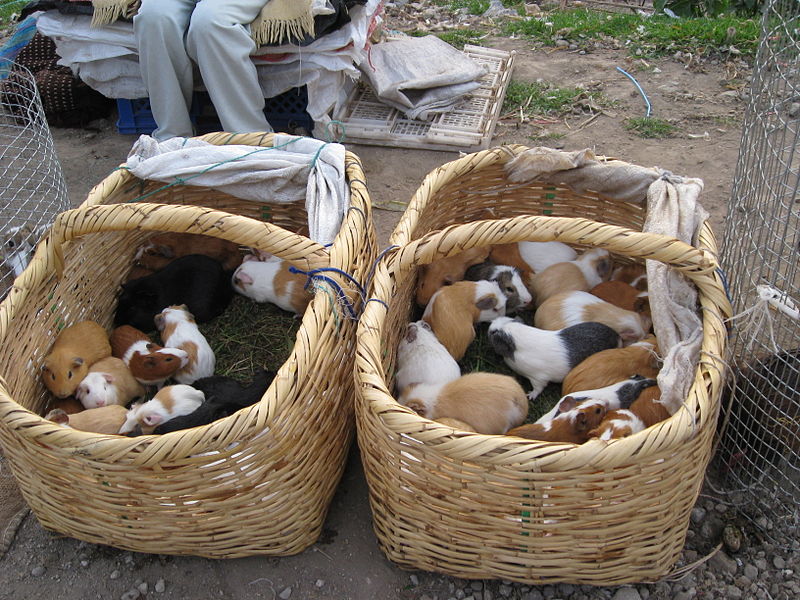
(651, 37)
(249, 336)
(650, 127)
(8, 9)
(459, 37)
(544, 98)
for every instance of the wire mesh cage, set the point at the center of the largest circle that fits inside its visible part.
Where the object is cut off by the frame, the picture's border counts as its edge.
(758, 457)
(32, 188)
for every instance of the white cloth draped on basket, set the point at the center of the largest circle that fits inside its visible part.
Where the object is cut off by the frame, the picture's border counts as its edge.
(672, 209)
(296, 168)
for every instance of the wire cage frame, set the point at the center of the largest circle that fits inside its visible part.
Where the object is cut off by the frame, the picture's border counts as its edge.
(758, 457)
(32, 187)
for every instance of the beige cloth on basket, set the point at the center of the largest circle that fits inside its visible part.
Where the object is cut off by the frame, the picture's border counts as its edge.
(672, 209)
(279, 19)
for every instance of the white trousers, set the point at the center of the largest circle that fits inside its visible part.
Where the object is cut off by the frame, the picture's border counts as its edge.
(213, 33)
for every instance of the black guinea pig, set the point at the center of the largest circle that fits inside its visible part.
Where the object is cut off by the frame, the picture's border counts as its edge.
(195, 280)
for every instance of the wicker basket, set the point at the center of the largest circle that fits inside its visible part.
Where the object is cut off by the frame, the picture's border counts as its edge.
(483, 506)
(257, 482)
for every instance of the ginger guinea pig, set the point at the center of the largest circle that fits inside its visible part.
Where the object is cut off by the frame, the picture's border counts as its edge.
(266, 278)
(104, 419)
(108, 382)
(76, 349)
(446, 271)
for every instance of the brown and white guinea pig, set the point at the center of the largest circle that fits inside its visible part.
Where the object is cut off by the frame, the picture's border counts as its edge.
(613, 397)
(618, 424)
(149, 363)
(170, 402)
(108, 382)
(446, 271)
(421, 358)
(531, 257)
(179, 330)
(104, 419)
(76, 349)
(583, 273)
(571, 426)
(455, 424)
(508, 278)
(266, 278)
(454, 308)
(611, 366)
(488, 402)
(645, 411)
(571, 308)
(634, 275)
(625, 296)
(544, 356)
(157, 252)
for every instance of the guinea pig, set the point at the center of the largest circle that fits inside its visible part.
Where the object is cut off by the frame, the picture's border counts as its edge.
(644, 412)
(618, 424)
(269, 280)
(583, 273)
(611, 366)
(161, 249)
(19, 246)
(544, 356)
(573, 426)
(76, 349)
(446, 271)
(570, 308)
(223, 397)
(634, 275)
(104, 419)
(487, 402)
(421, 358)
(531, 257)
(170, 402)
(624, 295)
(455, 424)
(454, 308)
(195, 280)
(149, 363)
(108, 382)
(508, 278)
(179, 330)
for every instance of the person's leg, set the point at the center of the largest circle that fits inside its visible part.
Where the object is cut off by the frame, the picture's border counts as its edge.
(160, 28)
(219, 41)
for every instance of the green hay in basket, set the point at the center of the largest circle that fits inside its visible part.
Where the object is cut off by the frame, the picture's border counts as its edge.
(249, 336)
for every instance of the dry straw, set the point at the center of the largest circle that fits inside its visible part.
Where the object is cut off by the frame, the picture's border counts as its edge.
(481, 506)
(257, 482)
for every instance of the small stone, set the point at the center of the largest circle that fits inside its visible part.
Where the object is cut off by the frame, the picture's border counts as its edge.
(565, 589)
(114, 574)
(778, 562)
(142, 587)
(533, 595)
(626, 593)
(505, 590)
(794, 109)
(733, 592)
(761, 563)
(285, 594)
(562, 43)
(319, 583)
(476, 585)
(424, 597)
(37, 571)
(750, 572)
(128, 558)
(732, 538)
(460, 594)
(698, 514)
(582, 52)
(414, 580)
(549, 591)
(573, 47)
(477, 595)
(84, 563)
(160, 586)
(721, 508)
(130, 595)
(712, 528)
(684, 595)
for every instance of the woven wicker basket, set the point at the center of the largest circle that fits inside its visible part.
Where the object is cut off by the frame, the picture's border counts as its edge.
(257, 482)
(482, 506)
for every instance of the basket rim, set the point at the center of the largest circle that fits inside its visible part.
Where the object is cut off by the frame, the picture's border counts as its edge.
(698, 263)
(152, 449)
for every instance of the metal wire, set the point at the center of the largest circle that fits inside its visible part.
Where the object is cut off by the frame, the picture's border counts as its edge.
(32, 188)
(759, 448)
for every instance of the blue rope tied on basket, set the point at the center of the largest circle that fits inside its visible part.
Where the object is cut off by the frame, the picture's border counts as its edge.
(314, 275)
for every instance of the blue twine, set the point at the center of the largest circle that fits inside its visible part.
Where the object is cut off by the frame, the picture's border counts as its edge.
(379, 301)
(725, 285)
(314, 275)
(638, 87)
(344, 274)
(377, 260)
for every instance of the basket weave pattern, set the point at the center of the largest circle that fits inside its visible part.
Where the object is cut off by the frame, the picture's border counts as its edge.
(480, 506)
(257, 482)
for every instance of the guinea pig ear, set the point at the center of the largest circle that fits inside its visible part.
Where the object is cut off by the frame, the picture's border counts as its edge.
(580, 422)
(152, 419)
(418, 407)
(149, 361)
(58, 416)
(604, 267)
(77, 361)
(486, 302)
(108, 377)
(448, 280)
(641, 304)
(150, 346)
(164, 251)
(159, 321)
(567, 404)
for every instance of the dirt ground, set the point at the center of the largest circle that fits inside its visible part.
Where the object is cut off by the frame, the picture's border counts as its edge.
(347, 563)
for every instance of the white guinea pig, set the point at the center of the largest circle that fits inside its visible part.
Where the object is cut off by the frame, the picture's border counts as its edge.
(266, 278)
(421, 358)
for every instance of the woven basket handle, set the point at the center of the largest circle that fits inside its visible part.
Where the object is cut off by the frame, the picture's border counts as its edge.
(297, 249)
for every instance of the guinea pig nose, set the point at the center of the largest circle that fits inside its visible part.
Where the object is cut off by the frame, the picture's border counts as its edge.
(242, 279)
(101, 403)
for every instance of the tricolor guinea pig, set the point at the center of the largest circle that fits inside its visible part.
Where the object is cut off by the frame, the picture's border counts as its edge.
(108, 382)
(634, 275)
(454, 308)
(544, 356)
(170, 402)
(76, 349)
(508, 278)
(572, 426)
(446, 271)
(571, 308)
(531, 257)
(583, 273)
(266, 278)
(421, 358)
(149, 363)
(161, 249)
(611, 366)
(179, 330)
(644, 412)
(487, 402)
(104, 419)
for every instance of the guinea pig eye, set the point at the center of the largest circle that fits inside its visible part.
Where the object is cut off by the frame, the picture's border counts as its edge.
(53, 375)
(509, 290)
(168, 359)
(69, 374)
(597, 410)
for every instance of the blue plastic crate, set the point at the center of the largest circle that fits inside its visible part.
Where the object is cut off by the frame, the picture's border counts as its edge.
(285, 112)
